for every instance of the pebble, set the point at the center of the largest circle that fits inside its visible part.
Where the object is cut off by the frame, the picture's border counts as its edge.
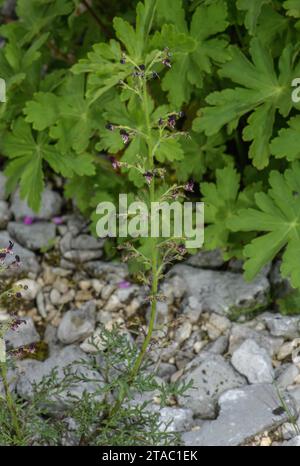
(254, 362)
(28, 288)
(76, 325)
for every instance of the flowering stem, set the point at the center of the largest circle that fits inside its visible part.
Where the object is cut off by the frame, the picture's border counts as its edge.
(154, 256)
(10, 402)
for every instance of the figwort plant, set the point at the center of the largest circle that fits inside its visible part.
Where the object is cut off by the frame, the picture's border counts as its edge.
(157, 128)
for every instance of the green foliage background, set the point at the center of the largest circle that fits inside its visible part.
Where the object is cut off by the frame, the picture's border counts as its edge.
(233, 62)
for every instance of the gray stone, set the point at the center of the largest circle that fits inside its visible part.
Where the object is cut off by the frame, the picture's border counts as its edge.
(254, 362)
(210, 378)
(282, 326)
(287, 376)
(28, 288)
(24, 335)
(290, 429)
(50, 337)
(36, 236)
(86, 242)
(34, 371)
(50, 206)
(218, 346)
(223, 292)
(175, 419)
(294, 442)
(83, 256)
(244, 412)
(2, 186)
(77, 325)
(4, 214)
(109, 271)
(217, 325)
(207, 259)
(29, 262)
(241, 332)
(65, 243)
(193, 309)
(295, 393)
(173, 289)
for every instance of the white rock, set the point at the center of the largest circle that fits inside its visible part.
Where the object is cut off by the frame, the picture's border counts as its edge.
(254, 362)
(217, 325)
(28, 288)
(183, 332)
(77, 325)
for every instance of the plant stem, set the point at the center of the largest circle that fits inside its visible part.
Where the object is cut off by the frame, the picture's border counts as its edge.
(154, 258)
(10, 402)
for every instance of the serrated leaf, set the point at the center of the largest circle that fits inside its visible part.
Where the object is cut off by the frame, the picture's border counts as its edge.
(277, 216)
(194, 52)
(292, 7)
(287, 143)
(253, 10)
(263, 92)
(169, 150)
(27, 156)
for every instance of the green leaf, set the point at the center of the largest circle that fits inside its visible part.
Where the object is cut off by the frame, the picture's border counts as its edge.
(287, 143)
(220, 203)
(169, 149)
(261, 91)
(37, 14)
(194, 52)
(290, 304)
(27, 155)
(35, 110)
(292, 7)
(253, 10)
(278, 216)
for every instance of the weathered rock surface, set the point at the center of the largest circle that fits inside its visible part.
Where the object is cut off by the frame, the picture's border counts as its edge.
(76, 325)
(223, 292)
(51, 203)
(236, 422)
(211, 377)
(34, 371)
(29, 261)
(253, 362)
(24, 335)
(36, 236)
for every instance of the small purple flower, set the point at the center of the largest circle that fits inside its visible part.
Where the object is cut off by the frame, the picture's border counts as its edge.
(181, 249)
(160, 122)
(16, 323)
(155, 75)
(110, 127)
(28, 220)
(189, 187)
(31, 348)
(57, 220)
(124, 136)
(172, 121)
(123, 59)
(9, 248)
(124, 284)
(148, 176)
(115, 163)
(2, 256)
(167, 62)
